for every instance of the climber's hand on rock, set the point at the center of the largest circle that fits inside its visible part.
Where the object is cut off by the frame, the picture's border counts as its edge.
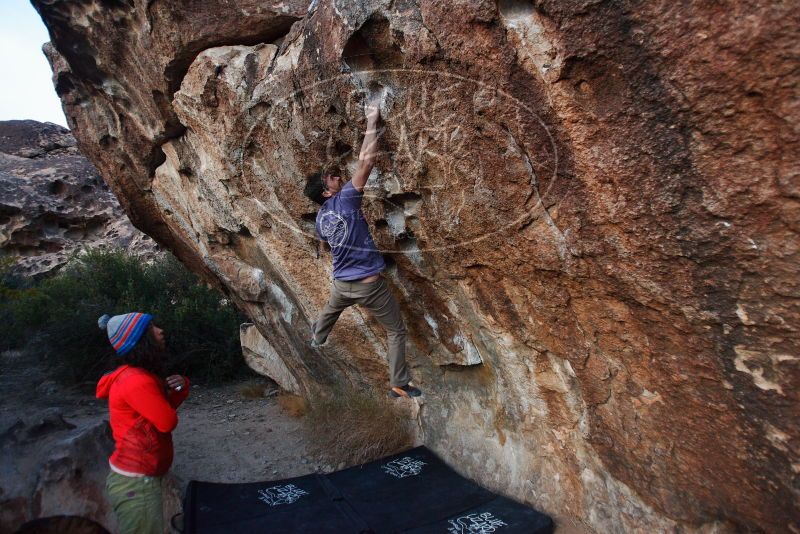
(373, 111)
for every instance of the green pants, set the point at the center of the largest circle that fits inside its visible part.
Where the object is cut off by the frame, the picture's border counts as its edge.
(137, 503)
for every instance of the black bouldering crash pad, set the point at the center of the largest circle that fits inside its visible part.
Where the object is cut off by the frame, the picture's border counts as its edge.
(412, 492)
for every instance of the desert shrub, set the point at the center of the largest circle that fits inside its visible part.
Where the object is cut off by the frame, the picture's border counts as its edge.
(292, 405)
(354, 427)
(16, 305)
(60, 315)
(264, 387)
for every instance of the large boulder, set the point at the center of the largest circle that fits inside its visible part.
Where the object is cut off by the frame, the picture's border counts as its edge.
(53, 470)
(590, 210)
(53, 203)
(52, 467)
(263, 359)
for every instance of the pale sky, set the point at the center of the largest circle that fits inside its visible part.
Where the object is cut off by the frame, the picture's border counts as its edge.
(26, 91)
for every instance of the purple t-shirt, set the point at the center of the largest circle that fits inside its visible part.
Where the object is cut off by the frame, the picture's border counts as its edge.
(341, 223)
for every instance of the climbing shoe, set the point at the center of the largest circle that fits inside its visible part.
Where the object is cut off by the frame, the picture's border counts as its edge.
(405, 391)
(314, 345)
(313, 342)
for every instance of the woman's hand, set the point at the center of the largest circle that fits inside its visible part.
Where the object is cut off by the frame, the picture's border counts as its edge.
(176, 382)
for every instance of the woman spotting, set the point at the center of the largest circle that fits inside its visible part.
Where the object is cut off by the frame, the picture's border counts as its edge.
(142, 408)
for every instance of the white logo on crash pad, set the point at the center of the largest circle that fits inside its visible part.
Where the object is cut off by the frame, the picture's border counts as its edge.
(403, 467)
(281, 494)
(484, 523)
(333, 228)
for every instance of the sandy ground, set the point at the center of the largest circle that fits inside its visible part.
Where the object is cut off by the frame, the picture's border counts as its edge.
(223, 436)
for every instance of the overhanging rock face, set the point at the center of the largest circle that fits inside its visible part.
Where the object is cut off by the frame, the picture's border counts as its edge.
(591, 212)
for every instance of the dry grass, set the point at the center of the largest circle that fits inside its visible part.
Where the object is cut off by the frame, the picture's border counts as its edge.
(253, 391)
(293, 405)
(353, 427)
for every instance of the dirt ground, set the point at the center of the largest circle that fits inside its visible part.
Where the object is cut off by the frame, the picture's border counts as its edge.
(224, 436)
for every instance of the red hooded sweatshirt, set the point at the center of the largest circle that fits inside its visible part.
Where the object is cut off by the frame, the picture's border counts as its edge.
(142, 418)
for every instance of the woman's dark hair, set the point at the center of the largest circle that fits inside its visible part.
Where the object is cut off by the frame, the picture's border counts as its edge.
(147, 354)
(314, 187)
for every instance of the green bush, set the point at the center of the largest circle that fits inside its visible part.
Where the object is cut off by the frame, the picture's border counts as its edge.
(57, 317)
(15, 306)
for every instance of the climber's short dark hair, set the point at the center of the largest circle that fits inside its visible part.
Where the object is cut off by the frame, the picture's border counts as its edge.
(314, 187)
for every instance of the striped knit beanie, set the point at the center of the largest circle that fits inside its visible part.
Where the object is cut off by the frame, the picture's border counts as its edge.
(124, 331)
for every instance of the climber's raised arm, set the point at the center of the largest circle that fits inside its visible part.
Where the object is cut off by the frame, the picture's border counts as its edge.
(369, 148)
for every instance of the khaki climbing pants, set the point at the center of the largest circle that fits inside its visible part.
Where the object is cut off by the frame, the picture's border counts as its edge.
(375, 297)
(137, 503)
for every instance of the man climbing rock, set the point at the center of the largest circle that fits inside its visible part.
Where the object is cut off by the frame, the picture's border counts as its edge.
(357, 264)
